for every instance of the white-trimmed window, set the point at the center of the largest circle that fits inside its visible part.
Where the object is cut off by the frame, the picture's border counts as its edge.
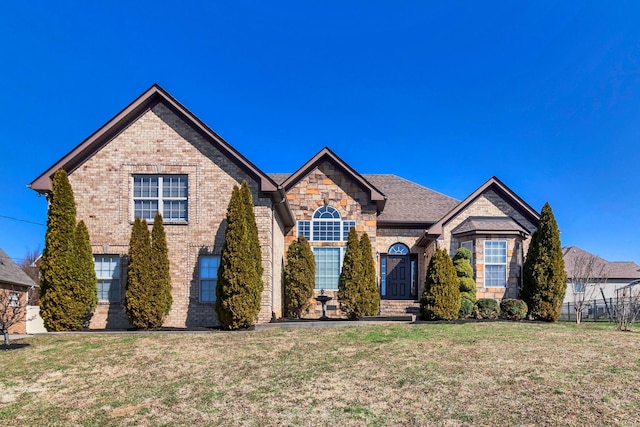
(108, 273)
(495, 263)
(166, 194)
(14, 299)
(328, 266)
(326, 226)
(208, 277)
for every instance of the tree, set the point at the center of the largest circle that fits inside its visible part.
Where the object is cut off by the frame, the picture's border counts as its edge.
(464, 271)
(86, 283)
(28, 264)
(627, 306)
(370, 294)
(351, 278)
(544, 276)
(253, 241)
(59, 308)
(585, 273)
(13, 310)
(239, 287)
(299, 277)
(137, 305)
(441, 297)
(160, 274)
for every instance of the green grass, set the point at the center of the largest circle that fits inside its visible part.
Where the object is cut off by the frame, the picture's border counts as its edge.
(488, 373)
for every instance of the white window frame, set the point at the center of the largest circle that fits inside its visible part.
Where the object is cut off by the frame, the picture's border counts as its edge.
(14, 299)
(490, 261)
(317, 249)
(103, 276)
(323, 218)
(161, 199)
(208, 276)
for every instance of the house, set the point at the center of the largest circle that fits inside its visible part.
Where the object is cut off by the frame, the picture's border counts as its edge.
(15, 287)
(155, 155)
(596, 276)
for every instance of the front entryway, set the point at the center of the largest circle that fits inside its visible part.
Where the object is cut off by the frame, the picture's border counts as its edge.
(398, 277)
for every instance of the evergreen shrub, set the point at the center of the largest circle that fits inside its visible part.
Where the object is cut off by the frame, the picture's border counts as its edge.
(488, 308)
(467, 308)
(441, 297)
(513, 309)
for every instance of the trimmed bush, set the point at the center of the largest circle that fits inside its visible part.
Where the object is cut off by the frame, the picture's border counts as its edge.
(513, 309)
(86, 287)
(299, 277)
(488, 308)
(370, 294)
(160, 275)
(467, 308)
(239, 287)
(137, 305)
(464, 271)
(68, 287)
(544, 277)
(351, 279)
(441, 297)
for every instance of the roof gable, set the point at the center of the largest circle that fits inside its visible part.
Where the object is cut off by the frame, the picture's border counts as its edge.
(154, 95)
(327, 155)
(492, 184)
(151, 97)
(12, 274)
(575, 258)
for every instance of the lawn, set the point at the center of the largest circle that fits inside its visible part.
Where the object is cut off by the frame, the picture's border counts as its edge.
(492, 373)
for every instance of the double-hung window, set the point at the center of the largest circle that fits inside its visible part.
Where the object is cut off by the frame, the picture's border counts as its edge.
(328, 266)
(495, 263)
(108, 273)
(208, 277)
(14, 299)
(166, 194)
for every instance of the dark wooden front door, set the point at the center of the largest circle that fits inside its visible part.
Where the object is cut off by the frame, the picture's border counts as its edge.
(398, 277)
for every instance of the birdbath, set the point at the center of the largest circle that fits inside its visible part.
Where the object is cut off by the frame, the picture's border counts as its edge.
(322, 298)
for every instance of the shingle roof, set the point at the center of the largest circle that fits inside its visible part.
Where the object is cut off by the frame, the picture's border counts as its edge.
(489, 224)
(11, 273)
(611, 269)
(406, 201)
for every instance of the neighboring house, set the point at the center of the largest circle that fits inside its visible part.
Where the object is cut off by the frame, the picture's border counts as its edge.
(607, 275)
(155, 155)
(15, 287)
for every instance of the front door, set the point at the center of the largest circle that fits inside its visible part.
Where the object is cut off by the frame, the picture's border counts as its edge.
(398, 277)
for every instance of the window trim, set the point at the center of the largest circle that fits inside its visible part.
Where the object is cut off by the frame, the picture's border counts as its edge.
(342, 250)
(311, 228)
(202, 278)
(118, 278)
(14, 299)
(505, 263)
(160, 199)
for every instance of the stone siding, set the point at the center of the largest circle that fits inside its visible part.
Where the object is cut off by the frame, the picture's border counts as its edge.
(159, 142)
(327, 184)
(490, 204)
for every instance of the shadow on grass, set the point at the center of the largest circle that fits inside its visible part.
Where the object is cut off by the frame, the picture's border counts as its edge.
(14, 346)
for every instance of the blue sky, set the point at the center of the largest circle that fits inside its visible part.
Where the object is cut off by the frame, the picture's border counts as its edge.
(545, 95)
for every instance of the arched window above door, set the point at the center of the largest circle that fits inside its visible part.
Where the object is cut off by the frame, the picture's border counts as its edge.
(398, 249)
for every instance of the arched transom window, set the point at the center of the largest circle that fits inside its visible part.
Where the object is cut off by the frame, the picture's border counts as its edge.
(398, 249)
(326, 226)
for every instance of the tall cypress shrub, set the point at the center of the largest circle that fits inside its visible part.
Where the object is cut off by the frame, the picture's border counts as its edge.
(351, 279)
(58, 306)
(239, 287)
(299, 277)
(253, 241)
(137, 305)
(464, 271)
(544, 276)
(370, 294)
(160, 275)
(441, 297)
(86, 283)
